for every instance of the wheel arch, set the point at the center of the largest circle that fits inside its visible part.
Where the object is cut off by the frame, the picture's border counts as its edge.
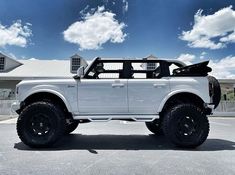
(47, 95)
(177, 97)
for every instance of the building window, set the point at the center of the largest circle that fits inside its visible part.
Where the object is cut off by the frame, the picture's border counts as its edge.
(2, 63)
(151, 66)
(76, 62)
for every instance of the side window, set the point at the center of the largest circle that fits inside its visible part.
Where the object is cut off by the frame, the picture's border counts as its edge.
(172, 67)
(106, 70)
(111, 70)
(145, 70)
(137, 71)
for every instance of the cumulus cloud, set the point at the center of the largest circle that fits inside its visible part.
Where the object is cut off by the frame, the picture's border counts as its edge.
(187, 58)
(16, 34)
(202, 55)
(223, 68)
(95, 29)
(211, 31)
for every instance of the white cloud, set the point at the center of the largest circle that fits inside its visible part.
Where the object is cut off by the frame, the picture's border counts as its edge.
(202, 55)
(208, 28)
(84, 11)
(95, 29)
(224, 68)
(16, 34)
(187, 58)
(33, 59)
(125, 5)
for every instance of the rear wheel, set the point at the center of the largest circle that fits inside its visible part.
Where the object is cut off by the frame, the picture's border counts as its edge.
(186, 125)
(41, 124)
(155, 127)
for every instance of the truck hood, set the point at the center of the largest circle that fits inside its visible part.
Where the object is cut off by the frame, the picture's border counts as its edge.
(47, 81)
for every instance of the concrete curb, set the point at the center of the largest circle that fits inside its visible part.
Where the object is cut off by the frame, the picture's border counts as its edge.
(7, 117)
(223, 114)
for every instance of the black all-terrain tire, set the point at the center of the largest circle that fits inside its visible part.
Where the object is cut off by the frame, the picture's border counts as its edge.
(41, 124)
(70, 127)
(216, 91)
(155, 127)
(185, 125)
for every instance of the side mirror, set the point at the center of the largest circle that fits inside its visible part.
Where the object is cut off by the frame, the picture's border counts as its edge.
(80, 73)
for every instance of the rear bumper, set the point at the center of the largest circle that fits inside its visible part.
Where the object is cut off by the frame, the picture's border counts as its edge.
(209, 105)
(209, 108)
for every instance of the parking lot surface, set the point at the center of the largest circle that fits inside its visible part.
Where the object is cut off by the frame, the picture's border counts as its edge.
(121, 148)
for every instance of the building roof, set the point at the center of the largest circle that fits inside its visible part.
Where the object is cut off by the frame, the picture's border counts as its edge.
(151, 56)
(76, 56)
(38, 69)
(14, 60)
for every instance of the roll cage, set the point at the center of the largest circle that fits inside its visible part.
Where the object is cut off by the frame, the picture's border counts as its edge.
(127, 70)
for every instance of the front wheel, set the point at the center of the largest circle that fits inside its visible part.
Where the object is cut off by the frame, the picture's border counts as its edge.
(186, 125)
(41, 124)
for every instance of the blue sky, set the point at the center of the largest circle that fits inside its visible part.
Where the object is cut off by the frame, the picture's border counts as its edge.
(148, 27)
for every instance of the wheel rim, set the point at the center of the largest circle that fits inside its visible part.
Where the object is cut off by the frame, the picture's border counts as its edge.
(187, 127)
(40, 124)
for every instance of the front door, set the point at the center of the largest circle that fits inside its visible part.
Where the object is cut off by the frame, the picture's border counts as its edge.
(102, 96)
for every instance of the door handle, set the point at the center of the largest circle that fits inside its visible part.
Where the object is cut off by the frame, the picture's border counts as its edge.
(156, 85)
(117, 85)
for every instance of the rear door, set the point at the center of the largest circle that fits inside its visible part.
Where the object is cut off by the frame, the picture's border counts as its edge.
(144, 93)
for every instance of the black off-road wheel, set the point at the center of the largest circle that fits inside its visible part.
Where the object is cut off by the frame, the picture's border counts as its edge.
(185, 125)
(155, 127)
(41, 124)
(71, 126)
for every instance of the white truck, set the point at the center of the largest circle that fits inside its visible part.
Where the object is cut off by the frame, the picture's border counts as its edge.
(171, 98)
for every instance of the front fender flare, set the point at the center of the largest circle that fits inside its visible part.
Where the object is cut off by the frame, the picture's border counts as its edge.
(54, 92)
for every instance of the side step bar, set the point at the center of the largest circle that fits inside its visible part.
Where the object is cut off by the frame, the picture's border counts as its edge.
(105, 118)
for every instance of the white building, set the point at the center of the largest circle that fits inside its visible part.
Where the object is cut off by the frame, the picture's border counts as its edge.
(13, 71)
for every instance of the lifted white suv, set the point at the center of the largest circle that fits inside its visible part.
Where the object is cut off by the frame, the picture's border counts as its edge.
(173, 99)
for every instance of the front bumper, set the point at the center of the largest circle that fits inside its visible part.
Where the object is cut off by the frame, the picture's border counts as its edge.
(15, 106)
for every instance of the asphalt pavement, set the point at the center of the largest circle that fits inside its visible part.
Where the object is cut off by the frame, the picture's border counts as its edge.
(119, 148)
